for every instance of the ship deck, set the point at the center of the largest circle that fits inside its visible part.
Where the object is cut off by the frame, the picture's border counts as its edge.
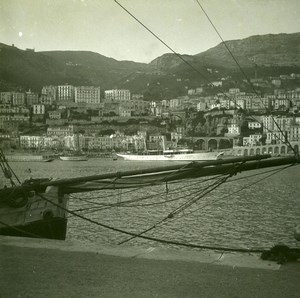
(53, 268)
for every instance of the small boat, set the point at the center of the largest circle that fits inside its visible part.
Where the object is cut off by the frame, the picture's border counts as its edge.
(74, 158)
(173, 155)
(48, 159)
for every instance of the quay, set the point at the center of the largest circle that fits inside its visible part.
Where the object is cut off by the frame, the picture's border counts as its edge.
(53, 268)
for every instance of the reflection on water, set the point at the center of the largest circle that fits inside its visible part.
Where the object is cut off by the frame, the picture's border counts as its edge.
(259, 216)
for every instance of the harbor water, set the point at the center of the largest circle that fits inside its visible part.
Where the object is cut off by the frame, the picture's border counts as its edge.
(255, 209)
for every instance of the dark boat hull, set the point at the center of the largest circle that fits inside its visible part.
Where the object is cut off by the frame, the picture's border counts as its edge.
(54, 228)
(34, 214)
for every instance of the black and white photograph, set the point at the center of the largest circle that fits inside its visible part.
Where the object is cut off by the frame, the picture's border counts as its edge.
(149, 148)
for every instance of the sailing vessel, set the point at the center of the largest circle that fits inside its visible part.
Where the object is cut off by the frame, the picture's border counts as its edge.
(173, 155)
(77, 155)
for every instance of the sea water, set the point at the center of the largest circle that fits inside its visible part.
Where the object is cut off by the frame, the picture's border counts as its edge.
(252, 210)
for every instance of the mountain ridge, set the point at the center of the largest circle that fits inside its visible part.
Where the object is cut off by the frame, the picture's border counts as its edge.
(165, 75)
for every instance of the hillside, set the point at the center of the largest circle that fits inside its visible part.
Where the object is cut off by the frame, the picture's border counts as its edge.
(281, 50)
(27, 69)
(165, 76)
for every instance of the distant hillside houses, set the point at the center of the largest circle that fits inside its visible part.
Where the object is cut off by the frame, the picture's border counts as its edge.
(50, 116)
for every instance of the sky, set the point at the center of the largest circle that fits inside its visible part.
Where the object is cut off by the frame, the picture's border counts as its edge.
(104, 27)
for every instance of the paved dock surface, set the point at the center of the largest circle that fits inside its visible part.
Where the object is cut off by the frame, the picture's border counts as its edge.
(49, 268)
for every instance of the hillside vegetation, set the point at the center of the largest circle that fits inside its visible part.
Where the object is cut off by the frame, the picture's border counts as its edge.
(164, 77)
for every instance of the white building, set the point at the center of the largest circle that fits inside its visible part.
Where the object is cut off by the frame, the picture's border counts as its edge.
(60, 131)
(254, 124)
(31, 141)
(5, 97)
(38, 109)
(201, 106)
(117, 95)
(54, 114)
(65, 93)
(252, 140)
(50, 91)
(87, 94)
(18, 98)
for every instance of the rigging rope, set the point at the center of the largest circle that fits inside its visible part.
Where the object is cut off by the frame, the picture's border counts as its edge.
(152, 238)
(105, 206)
(190, 202)
(7, 170)
(179, 189)
(239, 190)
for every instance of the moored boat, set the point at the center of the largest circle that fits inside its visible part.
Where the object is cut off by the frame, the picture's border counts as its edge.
(173, 155)
(26, 213)
(74, 158)
(48, 159)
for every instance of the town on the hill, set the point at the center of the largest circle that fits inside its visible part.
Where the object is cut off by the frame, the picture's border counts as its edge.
(81, 118)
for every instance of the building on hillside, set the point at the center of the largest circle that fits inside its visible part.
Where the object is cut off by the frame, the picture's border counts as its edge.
(137, 96)
(165, 104)
(234, 91)
(254, 125)
(125, 110)
(234, 128)
(176, 103)
(156, 142)
(277, 128)
(177, 135)
(110, 109)
(3, 120)
(240, 103)
(32, 98)
(65, 93)
(257, 103)
(54, 114)
(5, 97)
(60, 131)
(140, 107)
(217, 83)
(201, 107)
(50, 91)
(87, 94)
(38, 109)
(276, 82)
(117, 95)
(281, 104)
(33, 142)
(21, 118)
(252, 140)
(18, 98)
(196, 91)
(293, 134)
(46, 100)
